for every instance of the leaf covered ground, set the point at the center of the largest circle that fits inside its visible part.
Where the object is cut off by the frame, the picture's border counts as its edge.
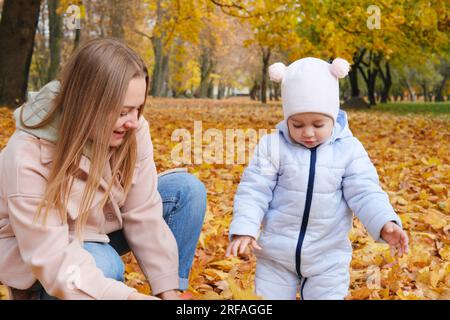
(410, 152)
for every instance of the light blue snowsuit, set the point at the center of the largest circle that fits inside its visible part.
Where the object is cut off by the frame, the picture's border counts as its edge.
(304, 199)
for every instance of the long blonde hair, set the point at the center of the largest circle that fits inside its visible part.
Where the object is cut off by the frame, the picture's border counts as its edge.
(93, 87)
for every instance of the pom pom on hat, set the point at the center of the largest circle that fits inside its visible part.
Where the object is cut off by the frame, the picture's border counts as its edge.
(277, 71)
(340, 68)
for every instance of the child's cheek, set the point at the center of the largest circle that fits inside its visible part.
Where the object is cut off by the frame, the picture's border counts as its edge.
(328, 132)
(294, 134)
(298, 137)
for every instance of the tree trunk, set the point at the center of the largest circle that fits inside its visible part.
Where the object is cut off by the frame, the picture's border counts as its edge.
(425, 90)
(277, 91)
(157, 45)
(159, 83)
(353, 74)
(40, 62)
(221, 91)
(17, 30)
(55, 27)
(411, 93)
(158, 75)
(165, 76)
(387, 81)
(371, 76)
(206, 68)
(440, 89)
(265, 66)
(116, 14)
(254, 91)
(370, 79)
(370, 82)
(210, 93)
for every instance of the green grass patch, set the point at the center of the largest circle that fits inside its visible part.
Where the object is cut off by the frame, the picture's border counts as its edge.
(432, 108)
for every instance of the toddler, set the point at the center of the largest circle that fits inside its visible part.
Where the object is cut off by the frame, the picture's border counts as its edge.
(302, 185)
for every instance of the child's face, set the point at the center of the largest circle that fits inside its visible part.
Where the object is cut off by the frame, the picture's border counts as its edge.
(310, 129)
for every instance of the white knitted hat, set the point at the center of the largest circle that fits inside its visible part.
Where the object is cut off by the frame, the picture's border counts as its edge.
(310, 85)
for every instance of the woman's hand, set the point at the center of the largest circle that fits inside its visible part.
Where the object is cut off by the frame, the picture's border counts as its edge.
(240, 243)
(395, 237)
(140, 296)
(169, 295)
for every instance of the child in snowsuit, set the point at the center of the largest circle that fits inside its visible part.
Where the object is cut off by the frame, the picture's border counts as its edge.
(302, 185)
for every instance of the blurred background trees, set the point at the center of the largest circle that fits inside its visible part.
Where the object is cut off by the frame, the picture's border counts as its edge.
(219, 48)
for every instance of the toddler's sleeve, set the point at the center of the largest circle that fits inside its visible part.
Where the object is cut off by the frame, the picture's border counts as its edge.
(364, 195)
(254, 192)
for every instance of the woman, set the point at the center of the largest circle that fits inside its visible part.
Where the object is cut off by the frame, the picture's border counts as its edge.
(79, 188)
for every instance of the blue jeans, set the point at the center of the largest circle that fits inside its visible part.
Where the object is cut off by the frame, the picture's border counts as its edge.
(184, 206)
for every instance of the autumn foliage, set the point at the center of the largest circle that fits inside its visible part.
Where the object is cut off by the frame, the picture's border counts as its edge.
(410, 152)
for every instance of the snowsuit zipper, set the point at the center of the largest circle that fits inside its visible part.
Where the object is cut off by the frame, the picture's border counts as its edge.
(309, 194)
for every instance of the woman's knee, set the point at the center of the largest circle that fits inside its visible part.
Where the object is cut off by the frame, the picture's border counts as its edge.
(196, 189)
(106, 259)
(194, 194)
(188, 187)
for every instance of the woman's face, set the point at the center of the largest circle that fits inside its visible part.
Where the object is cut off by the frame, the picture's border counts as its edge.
(128, 119)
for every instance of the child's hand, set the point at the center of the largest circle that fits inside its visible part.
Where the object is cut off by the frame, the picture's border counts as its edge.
(241, 243)
(395, 237)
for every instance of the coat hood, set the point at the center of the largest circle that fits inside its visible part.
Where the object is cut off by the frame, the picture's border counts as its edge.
(37, 107)
(35, 110)
(341, 129)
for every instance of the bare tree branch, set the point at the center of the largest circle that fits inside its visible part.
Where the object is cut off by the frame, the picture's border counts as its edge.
(228, 10)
